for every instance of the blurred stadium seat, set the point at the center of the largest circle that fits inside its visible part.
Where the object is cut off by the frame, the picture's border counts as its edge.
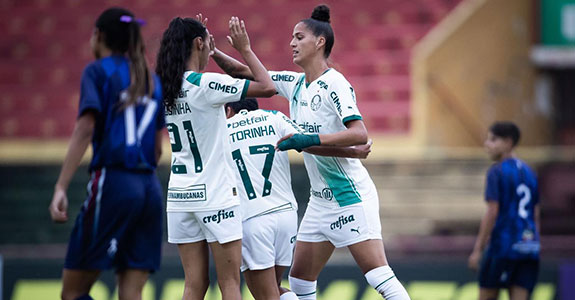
(45, 47)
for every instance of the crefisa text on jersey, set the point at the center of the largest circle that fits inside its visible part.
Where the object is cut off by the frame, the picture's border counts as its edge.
(342, 221)
(217, 218)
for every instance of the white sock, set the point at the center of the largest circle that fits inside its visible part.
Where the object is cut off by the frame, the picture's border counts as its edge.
(304, 290)
(289, 296)
(383, 280)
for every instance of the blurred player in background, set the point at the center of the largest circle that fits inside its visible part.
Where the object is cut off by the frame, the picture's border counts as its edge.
(269, 208)
(344, 207)
(510, 227)
(203, 207)
(121, 112)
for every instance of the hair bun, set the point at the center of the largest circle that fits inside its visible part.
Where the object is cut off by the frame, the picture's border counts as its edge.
(321, 13)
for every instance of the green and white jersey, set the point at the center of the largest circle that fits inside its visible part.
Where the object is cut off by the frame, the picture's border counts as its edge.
(324, 106)
(202, 176)
(264, 178)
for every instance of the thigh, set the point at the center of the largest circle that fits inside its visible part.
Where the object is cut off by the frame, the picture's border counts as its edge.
(131, 283)
(227, 258)
(195, 260)
(368, 254)
(262, 283)
(76, 283)
(518, 293)
(488, 293)
(309, 259)
(280, 270)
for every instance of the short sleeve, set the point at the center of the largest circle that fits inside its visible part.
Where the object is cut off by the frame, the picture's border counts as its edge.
(220, 89)
(90, 92)
(492, 185)
(285, 82)
(342, 96)
(285, 125)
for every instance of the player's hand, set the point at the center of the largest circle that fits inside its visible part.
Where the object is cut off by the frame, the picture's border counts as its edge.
(362, 151)
(59, 206)
(283, 139)
(238, 37)
(299, 141)
(201, 19)
(474, 259)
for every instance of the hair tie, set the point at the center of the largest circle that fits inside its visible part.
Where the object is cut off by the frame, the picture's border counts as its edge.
(129, 19)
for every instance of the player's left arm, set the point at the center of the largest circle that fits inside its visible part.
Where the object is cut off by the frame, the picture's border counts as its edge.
(158, 149)
(537, 216)
(485, 228)
(81, 138)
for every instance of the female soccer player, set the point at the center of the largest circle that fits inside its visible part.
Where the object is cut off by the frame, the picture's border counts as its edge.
(121, 112)
(202, 195)
(344, 208)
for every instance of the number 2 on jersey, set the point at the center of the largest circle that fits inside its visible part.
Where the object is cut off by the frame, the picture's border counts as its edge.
(254, 150)
(176, 142)
(525, 194)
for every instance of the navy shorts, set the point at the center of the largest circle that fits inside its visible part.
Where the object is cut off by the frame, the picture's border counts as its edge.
(120, 223)
(498, 273)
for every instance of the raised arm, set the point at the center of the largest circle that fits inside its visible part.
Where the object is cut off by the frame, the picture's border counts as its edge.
(232, 66)
(262, 85)
(359, 151)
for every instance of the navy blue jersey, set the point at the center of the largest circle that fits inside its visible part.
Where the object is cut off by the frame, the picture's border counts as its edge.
(124, 136)
(514, 185)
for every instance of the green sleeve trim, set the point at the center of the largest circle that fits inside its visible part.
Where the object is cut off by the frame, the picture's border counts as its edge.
(245, 90)
(351, 118)
(194, 78)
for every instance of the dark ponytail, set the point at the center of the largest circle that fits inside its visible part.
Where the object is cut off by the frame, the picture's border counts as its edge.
(319, 24)
(174, 54)
(122, 35)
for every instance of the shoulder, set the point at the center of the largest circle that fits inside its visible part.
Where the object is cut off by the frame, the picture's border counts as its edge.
(494, 170)
(332, 76)
(285, 76)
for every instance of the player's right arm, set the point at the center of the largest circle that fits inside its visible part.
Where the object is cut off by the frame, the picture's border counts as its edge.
(488, 219)
(79, 142)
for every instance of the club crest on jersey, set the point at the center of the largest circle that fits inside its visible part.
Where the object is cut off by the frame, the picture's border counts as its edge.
(327, 194)
(222, 87)
(342, 220)
(315, 102)
(217, 218)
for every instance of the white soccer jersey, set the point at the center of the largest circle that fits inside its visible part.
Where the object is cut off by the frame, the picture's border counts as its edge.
(202, 176)
(263, 173)
(324, 106)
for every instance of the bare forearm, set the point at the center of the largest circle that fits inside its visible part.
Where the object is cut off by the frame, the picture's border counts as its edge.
(349, 137)
(158, 149)
(231, 66)
(76, 149)
(333, 151)
(487, 223)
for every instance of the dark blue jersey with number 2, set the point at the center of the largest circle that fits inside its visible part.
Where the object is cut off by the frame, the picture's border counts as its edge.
(514, 186)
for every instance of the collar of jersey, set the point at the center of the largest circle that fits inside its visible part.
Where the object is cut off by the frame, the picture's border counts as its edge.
(308, 84)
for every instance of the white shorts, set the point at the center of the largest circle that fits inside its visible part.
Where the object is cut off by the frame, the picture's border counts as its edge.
(269, 240)
(223, 226)
(342, 226)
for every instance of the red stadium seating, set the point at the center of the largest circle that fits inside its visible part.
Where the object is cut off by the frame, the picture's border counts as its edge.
(45, 46)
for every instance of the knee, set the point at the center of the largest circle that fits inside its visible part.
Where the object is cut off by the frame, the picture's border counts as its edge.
(129, 294)
(200, 285)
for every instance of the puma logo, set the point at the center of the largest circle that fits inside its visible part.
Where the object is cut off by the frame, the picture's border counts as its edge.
(355, 230)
